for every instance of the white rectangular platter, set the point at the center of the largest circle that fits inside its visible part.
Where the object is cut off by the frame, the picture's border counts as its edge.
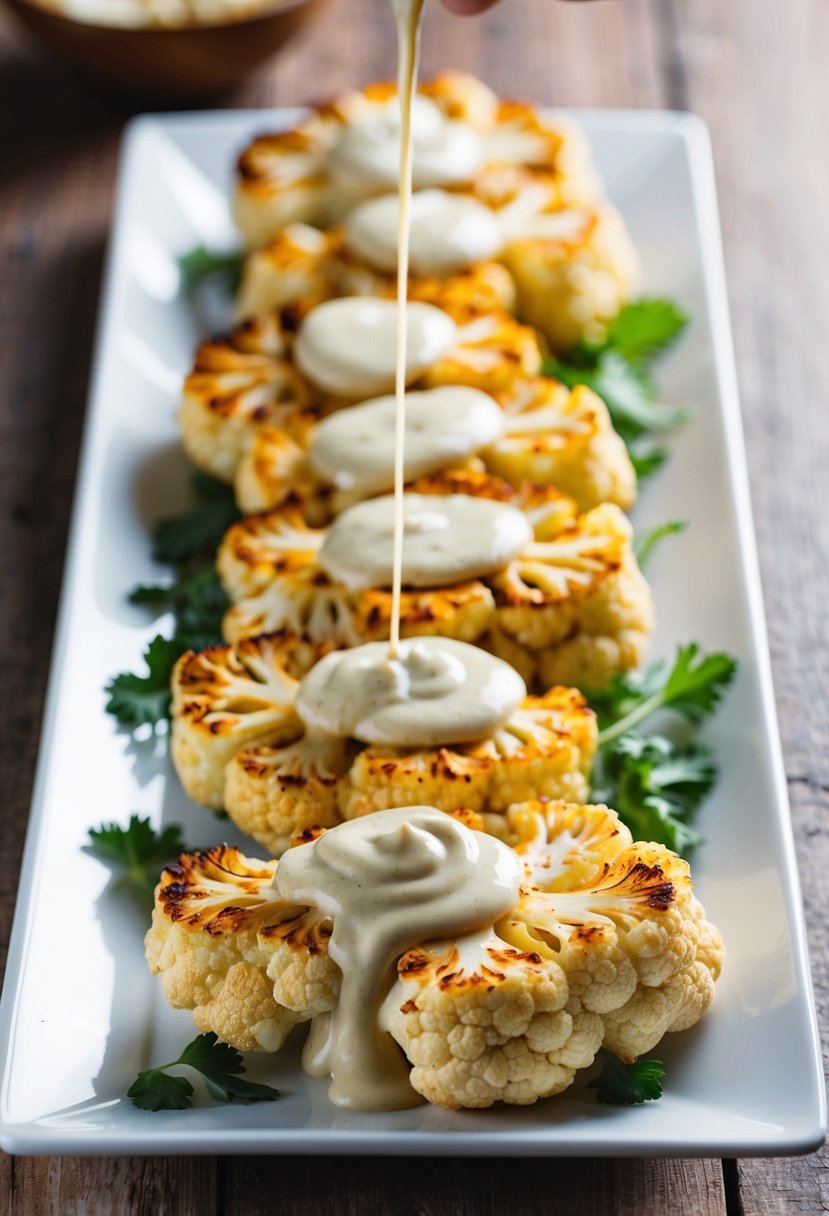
(80, 1013)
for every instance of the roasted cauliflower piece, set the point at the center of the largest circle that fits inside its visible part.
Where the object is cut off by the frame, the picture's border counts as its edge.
(573, 608)
(302, 266)
(484, 1022)
(238, 384)
(297, 175)
(563, 437)
(546, 748)
(605, 944)
(226, 698)
(274, 793)
(552, 436)
(619, 917)
(573, 271)
(249, 965)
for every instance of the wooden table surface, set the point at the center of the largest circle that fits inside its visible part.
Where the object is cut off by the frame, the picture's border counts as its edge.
(756, 70)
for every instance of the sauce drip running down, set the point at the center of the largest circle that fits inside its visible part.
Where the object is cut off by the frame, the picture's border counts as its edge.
(436, 691)
(345, 345)
(448, 232)
(353, 450)
(448, 540)
(388, 882)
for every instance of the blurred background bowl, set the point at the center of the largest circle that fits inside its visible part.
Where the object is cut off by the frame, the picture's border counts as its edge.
(191, 61)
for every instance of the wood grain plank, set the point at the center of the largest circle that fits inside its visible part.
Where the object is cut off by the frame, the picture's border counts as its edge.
(259, 1186)
(756, 73)
(112, 1186)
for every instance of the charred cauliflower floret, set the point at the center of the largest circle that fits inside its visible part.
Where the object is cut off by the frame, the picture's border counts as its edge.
(303, 174)
(545, 748)
(302, 266)
(563, 437)
(272, 793)
(218, 928)
(619, 917)
(226, 698)
(574, 609)
(484, 1022)
(573, 271)
(238, 384)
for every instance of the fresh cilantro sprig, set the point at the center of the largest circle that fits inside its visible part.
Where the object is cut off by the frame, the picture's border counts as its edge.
(138, 850)
(621, 1084)
(219, 1066)
(198, 602)
(692, 687)
(644, 544)
(195, 596)
(656, 786)
(655, 783)
(145, 700)
(619, 370)
(197, 531)
(202, 263)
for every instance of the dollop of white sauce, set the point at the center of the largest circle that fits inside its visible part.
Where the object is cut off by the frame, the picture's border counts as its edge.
(448, 232)
(366, 158)
(436, 691)
(446, 540)
(347, 346)
(353, 450)
(388, 882)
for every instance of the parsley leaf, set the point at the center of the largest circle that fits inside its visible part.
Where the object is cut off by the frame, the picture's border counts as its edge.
(646, 459)
(655, 785)
(621, 1084)
(692, 687)
(645, 328)
(201, 263)
(145, 700)
(645, 544)
(137, 849)
(198, 530)
(198, 602)
(218, 1064)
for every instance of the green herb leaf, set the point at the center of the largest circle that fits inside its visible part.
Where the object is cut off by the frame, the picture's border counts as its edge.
(154, 1090)
(692, 687)
(218, 1064)
(655, 785)
(145, 700)
(138, 849)
(202, 263)
(198, 601)
(621, 1084)
(644, 545)
(645, 328)
(646, 460)
(198, 530)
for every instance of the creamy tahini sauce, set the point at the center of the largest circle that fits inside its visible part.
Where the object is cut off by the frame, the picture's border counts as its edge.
(366, 157)
(389, 881)
(435, 691)
(446, 540)
(347, 346)
(448, 232)
(353, 450)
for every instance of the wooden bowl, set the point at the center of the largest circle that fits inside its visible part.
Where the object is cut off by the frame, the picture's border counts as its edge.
(188, 62)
